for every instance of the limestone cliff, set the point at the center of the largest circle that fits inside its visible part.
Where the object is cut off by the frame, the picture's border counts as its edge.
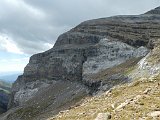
(63, 75)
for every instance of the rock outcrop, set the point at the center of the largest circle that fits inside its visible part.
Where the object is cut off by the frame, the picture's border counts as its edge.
(63, 75)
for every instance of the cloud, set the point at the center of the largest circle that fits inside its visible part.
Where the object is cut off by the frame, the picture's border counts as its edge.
(13, 64)
(27, 26)
(7, 44)
(33, 26)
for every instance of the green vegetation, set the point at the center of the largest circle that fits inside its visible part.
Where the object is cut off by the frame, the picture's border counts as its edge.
(4, 86)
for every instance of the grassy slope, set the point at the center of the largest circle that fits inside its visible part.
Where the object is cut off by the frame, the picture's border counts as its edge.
(143, 96)
(6, 87)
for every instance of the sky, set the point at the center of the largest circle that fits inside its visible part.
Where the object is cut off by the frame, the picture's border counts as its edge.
(32, 26)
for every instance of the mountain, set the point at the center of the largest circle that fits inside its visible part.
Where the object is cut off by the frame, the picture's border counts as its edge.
(154, 11)
(5, 89)
(125, 102)
(85, 62)
(10, 77)
(138, 99)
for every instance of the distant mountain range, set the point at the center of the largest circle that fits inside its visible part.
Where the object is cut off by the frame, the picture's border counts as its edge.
(10, 77)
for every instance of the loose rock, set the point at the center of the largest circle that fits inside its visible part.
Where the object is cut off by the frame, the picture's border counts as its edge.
(154, 114)
(103, 116)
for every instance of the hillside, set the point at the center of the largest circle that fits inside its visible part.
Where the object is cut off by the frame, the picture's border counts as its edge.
(139, 99)
(5, 89)
(85, 62)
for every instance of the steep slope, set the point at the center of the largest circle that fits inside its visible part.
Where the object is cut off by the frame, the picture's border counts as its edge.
(84, 60)
(5, 90)
(139, 99)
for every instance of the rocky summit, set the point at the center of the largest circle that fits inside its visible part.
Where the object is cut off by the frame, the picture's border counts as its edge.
(85, 62)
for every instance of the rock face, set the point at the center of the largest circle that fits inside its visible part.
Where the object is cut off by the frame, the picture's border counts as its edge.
(108, 54)
(78, 55)
(149, 65)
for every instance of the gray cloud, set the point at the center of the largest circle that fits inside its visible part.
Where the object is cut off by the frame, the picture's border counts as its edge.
(34, 24)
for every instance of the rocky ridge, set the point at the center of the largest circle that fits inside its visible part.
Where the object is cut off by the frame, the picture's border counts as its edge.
(85, 60)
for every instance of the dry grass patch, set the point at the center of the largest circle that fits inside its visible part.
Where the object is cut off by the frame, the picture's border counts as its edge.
(141, 102)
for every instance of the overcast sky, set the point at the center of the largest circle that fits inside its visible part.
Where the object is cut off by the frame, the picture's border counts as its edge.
(31, 26)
